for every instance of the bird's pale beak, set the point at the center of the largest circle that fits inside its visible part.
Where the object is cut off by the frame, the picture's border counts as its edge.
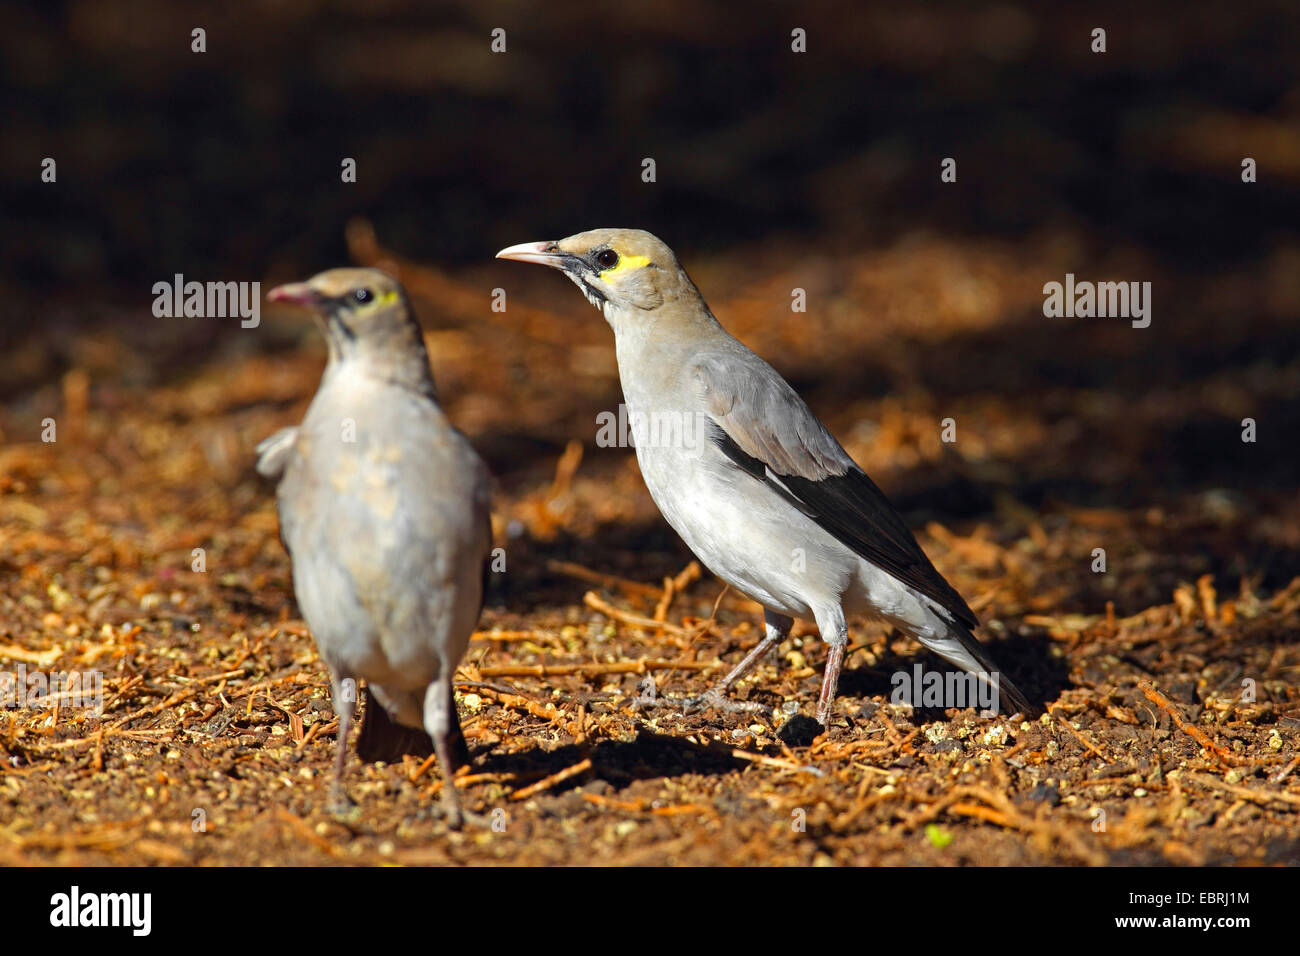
(543, 253)
(294, 293)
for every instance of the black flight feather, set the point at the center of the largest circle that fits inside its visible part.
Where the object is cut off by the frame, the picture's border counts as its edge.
(856, 512)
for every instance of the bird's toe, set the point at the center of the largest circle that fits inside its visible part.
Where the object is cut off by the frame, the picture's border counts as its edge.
(341, 806)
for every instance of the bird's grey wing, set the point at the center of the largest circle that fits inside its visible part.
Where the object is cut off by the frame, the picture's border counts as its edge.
(273, 453)
(765, 429)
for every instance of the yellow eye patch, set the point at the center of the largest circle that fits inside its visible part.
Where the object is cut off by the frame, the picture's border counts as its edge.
(375, 299)
(625, 264)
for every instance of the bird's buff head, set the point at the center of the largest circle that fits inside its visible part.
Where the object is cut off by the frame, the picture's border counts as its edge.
(622, 272)
(367, 321)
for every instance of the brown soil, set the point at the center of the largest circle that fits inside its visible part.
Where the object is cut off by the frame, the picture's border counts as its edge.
(1071, 436)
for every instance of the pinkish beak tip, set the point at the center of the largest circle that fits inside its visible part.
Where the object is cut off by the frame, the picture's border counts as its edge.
(295, 293)
(542, 253)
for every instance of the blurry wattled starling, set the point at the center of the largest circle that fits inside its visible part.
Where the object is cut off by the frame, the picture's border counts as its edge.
(753, 482)
(384, 510)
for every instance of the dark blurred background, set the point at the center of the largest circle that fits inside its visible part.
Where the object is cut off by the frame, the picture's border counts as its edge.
(222, 163)
(774, 169)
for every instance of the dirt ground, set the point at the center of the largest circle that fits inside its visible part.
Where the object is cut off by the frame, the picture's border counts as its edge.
(1172, 732)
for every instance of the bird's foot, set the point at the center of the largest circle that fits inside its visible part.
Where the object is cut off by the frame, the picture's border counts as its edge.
(715, 699)
(457, 817)
(340, 806)
(642, 702)
(647, 695)
(824, 716)
(711, 699)
(479, 821)
(454, 817)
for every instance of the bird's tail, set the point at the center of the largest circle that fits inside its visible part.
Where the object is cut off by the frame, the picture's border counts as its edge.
(958, 646)
(383, 738)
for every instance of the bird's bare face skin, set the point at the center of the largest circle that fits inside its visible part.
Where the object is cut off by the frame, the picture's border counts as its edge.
(620, 271)
(350, 304)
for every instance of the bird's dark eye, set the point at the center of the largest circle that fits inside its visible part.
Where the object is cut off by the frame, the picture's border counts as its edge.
(363, 296)
(607, 258)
